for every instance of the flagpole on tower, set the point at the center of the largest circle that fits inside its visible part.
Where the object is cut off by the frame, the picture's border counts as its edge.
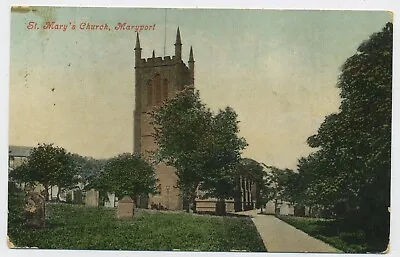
(165, 29)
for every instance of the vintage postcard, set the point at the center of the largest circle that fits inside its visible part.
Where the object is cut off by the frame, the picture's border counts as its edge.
(220, 130)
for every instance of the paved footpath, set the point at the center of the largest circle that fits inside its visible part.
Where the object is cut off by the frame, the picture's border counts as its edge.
(278, 236)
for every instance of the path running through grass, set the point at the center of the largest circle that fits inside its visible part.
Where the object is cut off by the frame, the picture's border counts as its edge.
(279, 236)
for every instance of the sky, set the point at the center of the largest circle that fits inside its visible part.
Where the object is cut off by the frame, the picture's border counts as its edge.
(277, 69)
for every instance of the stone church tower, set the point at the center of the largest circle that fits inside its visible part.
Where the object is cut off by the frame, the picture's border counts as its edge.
(157, 79)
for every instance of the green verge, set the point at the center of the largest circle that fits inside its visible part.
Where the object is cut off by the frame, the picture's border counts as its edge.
(79, 227)
(330, 231)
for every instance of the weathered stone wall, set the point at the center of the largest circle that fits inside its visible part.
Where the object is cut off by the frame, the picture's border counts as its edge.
(169, 196)
(209, 205)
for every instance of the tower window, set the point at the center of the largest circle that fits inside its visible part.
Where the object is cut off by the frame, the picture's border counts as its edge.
(149, 93)
(165, 89)
(157, 88)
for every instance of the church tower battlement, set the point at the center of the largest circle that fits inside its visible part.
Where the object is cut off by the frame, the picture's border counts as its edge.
(156, 80)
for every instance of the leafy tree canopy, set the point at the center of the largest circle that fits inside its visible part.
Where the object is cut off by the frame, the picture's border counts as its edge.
(352, 164)
(204, 148)
(48, 165)
(127, 174)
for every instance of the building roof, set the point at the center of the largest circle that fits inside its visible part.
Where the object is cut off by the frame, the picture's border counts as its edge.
(19, 151)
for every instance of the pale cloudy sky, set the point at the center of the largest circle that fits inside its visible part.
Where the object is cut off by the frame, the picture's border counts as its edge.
(277, 69)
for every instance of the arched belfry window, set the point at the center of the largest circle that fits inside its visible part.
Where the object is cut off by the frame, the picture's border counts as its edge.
(157, 88)
(165, 89)
(149, 88)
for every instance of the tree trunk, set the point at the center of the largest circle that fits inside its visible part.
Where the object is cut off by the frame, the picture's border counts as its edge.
(135, 199)
(193, 197)
(186, 202)
(194, 205)
(46, 192)
(192, 201)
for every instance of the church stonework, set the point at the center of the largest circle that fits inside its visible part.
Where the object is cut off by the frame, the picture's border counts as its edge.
(156, 80)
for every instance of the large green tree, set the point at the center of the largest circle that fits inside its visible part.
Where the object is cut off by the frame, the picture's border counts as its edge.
(48, 165)
(203, 147)
(353, 161)
(88, 168)
(224, 155)
(182, 131)
(278, 184)
(127, 174)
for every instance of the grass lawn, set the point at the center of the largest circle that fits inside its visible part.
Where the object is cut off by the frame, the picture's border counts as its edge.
(80, 227)
(331, 232)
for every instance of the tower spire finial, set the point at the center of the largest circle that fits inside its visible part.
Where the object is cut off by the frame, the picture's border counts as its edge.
(137, 41)
(138, 51)
(191, 59)
(178, 37)
(178, 46)
(191, 66)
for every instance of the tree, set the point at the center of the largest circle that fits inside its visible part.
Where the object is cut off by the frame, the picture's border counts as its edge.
(224, 155)
(277, 184)
(182, 132)
(68, 177)
(353, 161)
(88, 168)
(127, 174)
(316, 183)
(19, 174)
(204, 148)
(48, 165)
